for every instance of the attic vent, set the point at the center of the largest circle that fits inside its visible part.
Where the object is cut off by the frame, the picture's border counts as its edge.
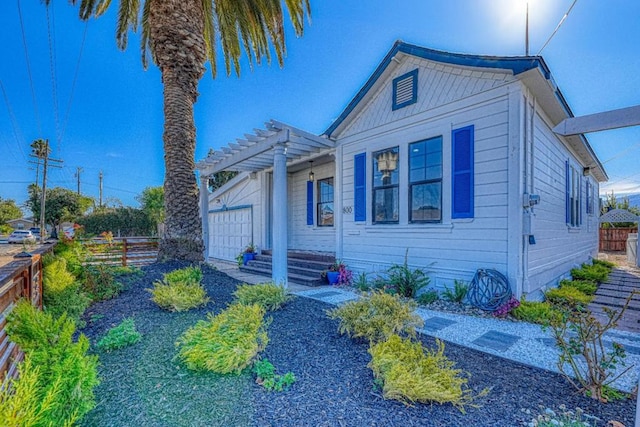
(405, 89)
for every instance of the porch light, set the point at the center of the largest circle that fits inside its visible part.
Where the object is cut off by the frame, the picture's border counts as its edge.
(387, 163)
(311, 175)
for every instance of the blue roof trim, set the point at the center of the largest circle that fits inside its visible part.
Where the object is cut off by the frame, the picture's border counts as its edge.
(518, 64)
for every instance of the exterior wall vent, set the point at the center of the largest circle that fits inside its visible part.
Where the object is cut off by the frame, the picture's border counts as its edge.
(405, 89)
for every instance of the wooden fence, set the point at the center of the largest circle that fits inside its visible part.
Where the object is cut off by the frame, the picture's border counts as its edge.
(615, 239)
(21, 278)
(125, 251)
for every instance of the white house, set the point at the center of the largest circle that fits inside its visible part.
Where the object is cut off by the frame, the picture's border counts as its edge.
(449, 155)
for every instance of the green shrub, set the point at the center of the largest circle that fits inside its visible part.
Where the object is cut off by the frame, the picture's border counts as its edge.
(568, 296)
(535, 312)
(266, 376)
(26, 402)
(457, 294)
(377, 317)
(99, 282)
(361, 282)
(404, 280)
(267, 295)
(127, 221)
(593, 273)
(584, 286)
(123, 335)
(180, 290)
(607, 264)
(225, 343)
(62, 293)
(66, 375)
(427, 297)
(74, 253)
(410, 373)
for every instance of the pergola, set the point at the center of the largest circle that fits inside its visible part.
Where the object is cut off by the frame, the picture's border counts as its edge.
(270, 148)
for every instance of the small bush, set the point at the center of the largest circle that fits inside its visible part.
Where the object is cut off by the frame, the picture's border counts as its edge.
(66, 374)
(405, 281)
(593, 273)
(410, 373)
(123, 335)
(225, 343)
(563, 417)
(61, 292)
(541, 313)
(180, 290)
(269, 296)
(361, 282)
(266, 376)
(427, 297)
(457, 294)
(74, 253)
(586, 287)
(568, 296)
(377, 317)
(607, 264)
(100, 282)
(507, 307)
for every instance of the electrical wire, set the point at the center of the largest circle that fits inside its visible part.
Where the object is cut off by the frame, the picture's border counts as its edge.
(52, 66)
(26, 54)
(73, 84)
(557, 27)
(625, 151)
(14, 122)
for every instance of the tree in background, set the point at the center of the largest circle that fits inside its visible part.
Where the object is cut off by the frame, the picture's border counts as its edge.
(610, 201)
(152, 204)
(62, 205)
(122, 222)
(181, 36)
(219, 179)
(8, 211)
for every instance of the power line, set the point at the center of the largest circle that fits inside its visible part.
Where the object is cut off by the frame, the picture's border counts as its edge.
(626, 150)
(26, 54)
(14, 122)
(52, 66)
(73, 84)
(557, 27)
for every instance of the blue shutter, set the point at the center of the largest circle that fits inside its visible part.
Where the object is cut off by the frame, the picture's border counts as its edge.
(567, 187)
(581, 180)
(309, 202)
(462, 173)
(360, 187)
(587, 185)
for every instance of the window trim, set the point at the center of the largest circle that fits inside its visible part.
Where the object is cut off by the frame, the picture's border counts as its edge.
(319, 201)
(422, 182)
(573, 204)
(414, 98)
(374, 188)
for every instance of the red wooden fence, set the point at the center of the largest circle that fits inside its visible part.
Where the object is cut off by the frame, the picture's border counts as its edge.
(21, 278)
(615, 239)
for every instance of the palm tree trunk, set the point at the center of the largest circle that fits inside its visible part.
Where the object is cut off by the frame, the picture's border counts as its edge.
(178, 45)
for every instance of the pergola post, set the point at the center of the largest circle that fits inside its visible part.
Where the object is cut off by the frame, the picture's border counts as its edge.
(279, 233)
(204, 210)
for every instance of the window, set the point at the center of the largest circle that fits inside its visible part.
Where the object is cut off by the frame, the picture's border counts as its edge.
(573, 214)
(385, 185)
(325, 202)
(590, 197)
(405, 90)
(425, 180)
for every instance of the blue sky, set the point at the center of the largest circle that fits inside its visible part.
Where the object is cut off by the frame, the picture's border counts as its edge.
(114, 120)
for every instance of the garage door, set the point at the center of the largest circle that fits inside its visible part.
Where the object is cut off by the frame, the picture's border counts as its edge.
(230, 231)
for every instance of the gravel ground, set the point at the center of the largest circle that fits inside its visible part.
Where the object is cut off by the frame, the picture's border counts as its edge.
(144, 386)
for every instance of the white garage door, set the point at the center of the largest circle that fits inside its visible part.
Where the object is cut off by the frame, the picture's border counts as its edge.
(230, 231)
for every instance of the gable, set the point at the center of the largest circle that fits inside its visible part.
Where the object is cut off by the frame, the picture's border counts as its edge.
(438, 84)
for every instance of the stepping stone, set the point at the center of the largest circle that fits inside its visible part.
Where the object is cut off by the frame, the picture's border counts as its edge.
(496, 340)
(433, 324)
(321, 295)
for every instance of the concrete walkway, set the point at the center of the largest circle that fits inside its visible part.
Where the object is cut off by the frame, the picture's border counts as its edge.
(518, 341)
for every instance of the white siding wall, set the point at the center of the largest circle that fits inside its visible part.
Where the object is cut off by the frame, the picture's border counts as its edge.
(240, 192)
(303, 236)
(558, 247)
(454, 249)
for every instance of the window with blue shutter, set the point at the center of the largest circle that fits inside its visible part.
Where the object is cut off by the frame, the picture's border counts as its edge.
(567, 186)
(573, 195)
(405, 90)
(462, 172)
(309, 202)
(360, 187)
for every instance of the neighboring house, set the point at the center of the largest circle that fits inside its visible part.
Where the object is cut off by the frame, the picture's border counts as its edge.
(22, 223)
(449, 155)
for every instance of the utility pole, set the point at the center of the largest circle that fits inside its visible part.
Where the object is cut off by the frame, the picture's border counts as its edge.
(41, 151)
(77, 175)
(100, 177)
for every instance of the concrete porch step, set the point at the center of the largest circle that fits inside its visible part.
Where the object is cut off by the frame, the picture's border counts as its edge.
(301, 279)
(293, 269)
(309, 264)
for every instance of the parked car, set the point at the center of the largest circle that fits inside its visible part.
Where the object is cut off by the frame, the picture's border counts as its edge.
(35, 231)
(21, 236)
